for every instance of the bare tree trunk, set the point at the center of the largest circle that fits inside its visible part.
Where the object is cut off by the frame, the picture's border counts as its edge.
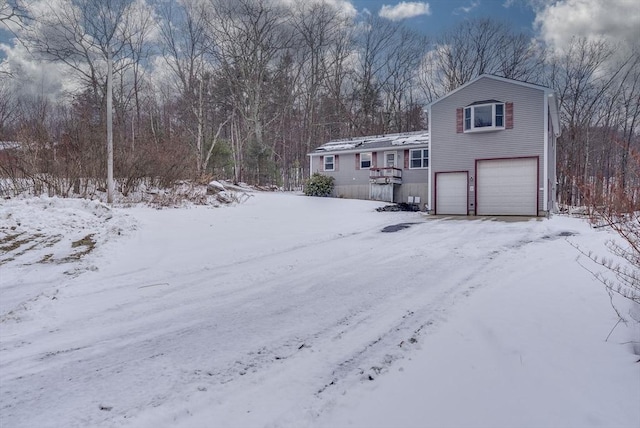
(110, 186)
(200, 119)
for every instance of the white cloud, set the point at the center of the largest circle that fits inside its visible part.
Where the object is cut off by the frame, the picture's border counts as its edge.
(617, 21)
(404, 10)
(32, 77)
(467, 9)
(345, 6)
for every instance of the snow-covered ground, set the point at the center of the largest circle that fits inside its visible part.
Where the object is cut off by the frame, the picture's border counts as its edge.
(289, 311)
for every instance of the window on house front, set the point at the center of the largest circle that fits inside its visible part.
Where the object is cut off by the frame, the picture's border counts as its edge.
(365, 160)
(419, 158)
(329, 163)
(484, 117)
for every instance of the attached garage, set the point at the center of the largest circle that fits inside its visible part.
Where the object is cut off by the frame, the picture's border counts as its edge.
(507, 186)
(451, 193)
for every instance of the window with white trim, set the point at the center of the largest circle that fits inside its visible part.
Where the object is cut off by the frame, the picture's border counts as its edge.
(329, 163)
(418, 158)
(365, 160)
(484, 117)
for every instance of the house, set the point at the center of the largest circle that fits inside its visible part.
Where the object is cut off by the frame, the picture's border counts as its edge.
(490, 150)
(389, 168)
(493, 149)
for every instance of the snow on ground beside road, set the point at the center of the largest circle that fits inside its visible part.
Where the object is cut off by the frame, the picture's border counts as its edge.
(527, 350)
(289, 311)
(48, 238)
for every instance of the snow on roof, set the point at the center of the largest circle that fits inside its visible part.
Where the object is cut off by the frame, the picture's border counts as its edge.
(421, 138)
(338, 146)
(375, 141)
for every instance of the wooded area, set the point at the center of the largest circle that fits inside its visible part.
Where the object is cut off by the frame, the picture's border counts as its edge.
(244, 89)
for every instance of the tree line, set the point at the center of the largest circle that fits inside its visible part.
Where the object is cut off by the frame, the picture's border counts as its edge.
(244, 89)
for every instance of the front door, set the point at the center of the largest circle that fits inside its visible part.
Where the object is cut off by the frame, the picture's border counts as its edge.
(390, 159)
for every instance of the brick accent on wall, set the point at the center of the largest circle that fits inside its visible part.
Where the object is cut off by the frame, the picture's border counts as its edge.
(459, 120)
(508, 120)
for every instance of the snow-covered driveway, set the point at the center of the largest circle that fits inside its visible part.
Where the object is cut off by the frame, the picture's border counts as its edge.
(263, 314)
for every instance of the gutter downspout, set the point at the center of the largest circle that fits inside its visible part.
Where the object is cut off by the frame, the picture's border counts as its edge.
(429, 206)
(545, 171)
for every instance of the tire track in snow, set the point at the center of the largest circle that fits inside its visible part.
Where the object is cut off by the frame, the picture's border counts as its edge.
(364, 354)
(252, 328)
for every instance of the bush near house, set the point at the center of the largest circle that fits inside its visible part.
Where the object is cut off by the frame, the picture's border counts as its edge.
(319, 185)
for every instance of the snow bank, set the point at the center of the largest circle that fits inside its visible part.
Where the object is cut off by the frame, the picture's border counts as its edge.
(44, 237)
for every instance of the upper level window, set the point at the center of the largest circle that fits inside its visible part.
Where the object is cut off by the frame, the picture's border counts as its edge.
(329, 163)
(419, 158)
(485, 116)
(365, 160)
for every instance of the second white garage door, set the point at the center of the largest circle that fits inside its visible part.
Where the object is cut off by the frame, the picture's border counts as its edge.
(507, 187)
(451, 193)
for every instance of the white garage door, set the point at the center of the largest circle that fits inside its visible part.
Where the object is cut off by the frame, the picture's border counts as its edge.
(451, 193)
(507, 187)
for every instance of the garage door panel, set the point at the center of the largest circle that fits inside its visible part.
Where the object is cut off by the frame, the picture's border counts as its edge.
(507, 187)
(451, 193)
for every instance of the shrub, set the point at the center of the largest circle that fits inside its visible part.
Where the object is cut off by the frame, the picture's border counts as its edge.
(319, 185)
(618, 209)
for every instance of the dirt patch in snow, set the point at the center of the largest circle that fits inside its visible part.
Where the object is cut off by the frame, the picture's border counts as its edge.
(56, 230)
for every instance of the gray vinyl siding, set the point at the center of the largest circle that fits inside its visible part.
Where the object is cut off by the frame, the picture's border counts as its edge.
(452, 151)
(353, 183)
(413, 189)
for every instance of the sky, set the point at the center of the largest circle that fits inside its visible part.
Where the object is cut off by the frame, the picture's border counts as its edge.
(433, 17)
(553, 22)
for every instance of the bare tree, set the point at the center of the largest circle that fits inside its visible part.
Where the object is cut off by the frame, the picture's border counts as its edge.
(630, 112)
(80, 34)
(338, 84)
(374, 42)
(185, 44)
(137, 50)
(8, 105)
(251, 36)
(479, 46)
(13, 13)
(90, 37)
(403, 60)
(318, 27)
(589, 80)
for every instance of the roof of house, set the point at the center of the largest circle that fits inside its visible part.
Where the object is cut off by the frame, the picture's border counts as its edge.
(494, 77)
(373, 142)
